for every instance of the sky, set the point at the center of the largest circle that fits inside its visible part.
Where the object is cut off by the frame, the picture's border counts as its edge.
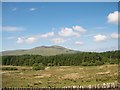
(83, 26)
(60, 0)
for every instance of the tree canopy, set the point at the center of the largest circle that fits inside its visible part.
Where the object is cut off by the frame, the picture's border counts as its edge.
(82, 58)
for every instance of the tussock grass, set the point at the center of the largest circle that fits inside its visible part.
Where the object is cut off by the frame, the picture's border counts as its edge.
(59, 76)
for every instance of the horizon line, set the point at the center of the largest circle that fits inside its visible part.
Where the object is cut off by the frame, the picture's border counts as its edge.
(60, 46)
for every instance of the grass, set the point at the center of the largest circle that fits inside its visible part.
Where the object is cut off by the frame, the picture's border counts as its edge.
(59, 76)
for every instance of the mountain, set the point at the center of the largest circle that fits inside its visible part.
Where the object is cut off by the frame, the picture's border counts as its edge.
(42, 50)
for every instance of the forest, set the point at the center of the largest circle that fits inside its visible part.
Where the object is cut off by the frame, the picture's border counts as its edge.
(76, 59)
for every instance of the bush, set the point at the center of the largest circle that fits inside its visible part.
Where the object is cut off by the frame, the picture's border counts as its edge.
(8, 68)
(84, 63)
(50, 64)
(92, 64)
(38, 66)
(99, 63)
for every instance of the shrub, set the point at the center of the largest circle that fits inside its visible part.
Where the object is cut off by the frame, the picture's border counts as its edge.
(99, 63)
(9, 68)
(50, 64)
(38, 66)
(84, 63)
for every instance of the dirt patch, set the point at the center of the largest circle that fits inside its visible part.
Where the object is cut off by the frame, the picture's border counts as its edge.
(103, 73)
(47, 68)
(47, 75)
(80, 68)
(21, 73)
(71, 76)
(101, 67)
(42, 75)
(64, 66)
(60, 70)
(39, 76)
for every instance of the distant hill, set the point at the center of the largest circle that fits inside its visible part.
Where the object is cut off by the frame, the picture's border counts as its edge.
(42, 50)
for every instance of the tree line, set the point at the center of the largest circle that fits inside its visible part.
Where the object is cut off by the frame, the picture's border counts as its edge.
(76, 59)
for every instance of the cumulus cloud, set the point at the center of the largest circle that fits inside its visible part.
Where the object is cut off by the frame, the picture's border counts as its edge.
(12, 28)
(34, 38)
(28, 40)
(20, 40)
(46, 35)
(79, 43)
(113, 17)
(79, 28)
(68, 32)
(32, 9)
(99, 38)
(58, 40)
(74, 31)
(115, 35)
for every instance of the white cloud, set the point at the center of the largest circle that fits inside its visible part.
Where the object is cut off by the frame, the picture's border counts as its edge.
(32, 9)
(113, 17)
(78, 28)
(34, 38)
(20, 40)
(74, 31)
(49, 34)
(99, 38)
(28, 40)
(115, 35)
(79, 43)
(58, 40)
(68, 32)
(12, 28)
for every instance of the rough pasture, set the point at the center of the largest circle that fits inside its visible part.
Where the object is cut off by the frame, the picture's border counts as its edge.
(60, 76)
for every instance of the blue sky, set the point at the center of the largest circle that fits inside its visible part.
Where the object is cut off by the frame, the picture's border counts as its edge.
(84, 26)
(61, 0)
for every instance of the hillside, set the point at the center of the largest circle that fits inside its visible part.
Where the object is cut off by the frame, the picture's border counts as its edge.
(42, 50)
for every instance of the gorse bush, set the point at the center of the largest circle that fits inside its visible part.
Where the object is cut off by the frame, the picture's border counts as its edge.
(38, 66)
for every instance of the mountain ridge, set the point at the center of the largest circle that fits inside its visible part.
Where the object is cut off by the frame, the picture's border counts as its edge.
(41, 50)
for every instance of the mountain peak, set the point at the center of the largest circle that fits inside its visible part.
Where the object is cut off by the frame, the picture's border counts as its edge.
(41, 50)
(55, 46)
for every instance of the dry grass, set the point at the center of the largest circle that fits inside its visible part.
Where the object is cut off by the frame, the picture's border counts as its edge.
(71, 76)
(60, 76)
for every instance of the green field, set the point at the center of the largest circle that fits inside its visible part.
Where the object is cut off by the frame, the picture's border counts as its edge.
(59, 76)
